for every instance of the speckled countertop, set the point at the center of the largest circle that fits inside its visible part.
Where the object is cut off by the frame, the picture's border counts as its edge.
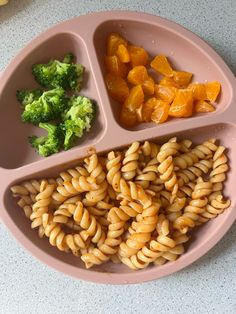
(209, 285)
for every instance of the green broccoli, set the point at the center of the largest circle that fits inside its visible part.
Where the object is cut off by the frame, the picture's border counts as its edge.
(57, 73)
(72, 130)
(50, 144)
(47, 107)
(26, 97)
(82, 107)
(69, 58)
(77, 119)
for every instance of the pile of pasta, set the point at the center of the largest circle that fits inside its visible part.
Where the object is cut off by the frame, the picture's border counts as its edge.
(135, 206)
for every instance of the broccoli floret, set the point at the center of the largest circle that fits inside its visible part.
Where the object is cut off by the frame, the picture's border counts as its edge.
(47, 107)
(72, 130)
(69, 58)
(50, 144)
(57, 73)
(77, 119)
(26, 97)
(79, 75)
(81, 107)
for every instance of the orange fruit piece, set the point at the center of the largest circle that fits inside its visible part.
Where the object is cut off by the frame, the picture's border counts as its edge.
(148, 86)
(117, 87)
(123, 54)
(137, 75)
(182, 105)
(199, 91)
(138, 55)
(148, 108)
(114, 65)
(135, 98)
(160, 112)
(203, 106)
(161, 65)
(212, 90)
(113, 42)
(182, 78)
(165, 93)
(168, 81)
(127, 118)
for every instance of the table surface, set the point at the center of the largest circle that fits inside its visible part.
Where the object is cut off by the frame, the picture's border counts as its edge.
(207, 286)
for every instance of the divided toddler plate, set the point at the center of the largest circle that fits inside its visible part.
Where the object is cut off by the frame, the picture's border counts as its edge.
(85, 36)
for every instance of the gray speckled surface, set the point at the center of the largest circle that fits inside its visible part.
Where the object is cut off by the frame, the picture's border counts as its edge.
(209, 285)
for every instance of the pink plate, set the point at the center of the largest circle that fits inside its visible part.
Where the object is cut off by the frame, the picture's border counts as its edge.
(85, 36)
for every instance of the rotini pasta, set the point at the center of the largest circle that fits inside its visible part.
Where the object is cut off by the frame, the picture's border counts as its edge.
(108, 248)
(166, 167)
(91, 228)
(214, 208)
(195, 207)
(130, 162)
(193, 172)
(136, 206)
(43, 201)
(142, 231)
(95, 169)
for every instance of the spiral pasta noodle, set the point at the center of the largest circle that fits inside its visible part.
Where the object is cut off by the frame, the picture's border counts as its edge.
(73, 173)
(62, 240)
(134, 206)
(186, 190)
(202, 151)
(150, 149)
(196, 206)
(173, 253)
(91, 228)
(95, 169)
(108, 248)
(193, 172)
(218, 173)
(114, 173)
(148, 175)
(214, 208)
(166, 167)
(142, 231)
(76, 186)
(154, 249)
(174, 210)
(130, 162)
(41, 206)
(26, 188)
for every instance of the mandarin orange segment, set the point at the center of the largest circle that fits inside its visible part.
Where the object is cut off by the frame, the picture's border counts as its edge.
(148, 108)
(135, 98)
(168, 81)
(199, 91)
(114, 65)
(123, 54)
(137, 75)
(165, 93)
(138, 55)
(113, 42)
(182, 78)
(182, 105)
(148, 86)
(127, 118)
(161, 65)
(203, 106)
(212, 90)
(160, 112)
(117, 87)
